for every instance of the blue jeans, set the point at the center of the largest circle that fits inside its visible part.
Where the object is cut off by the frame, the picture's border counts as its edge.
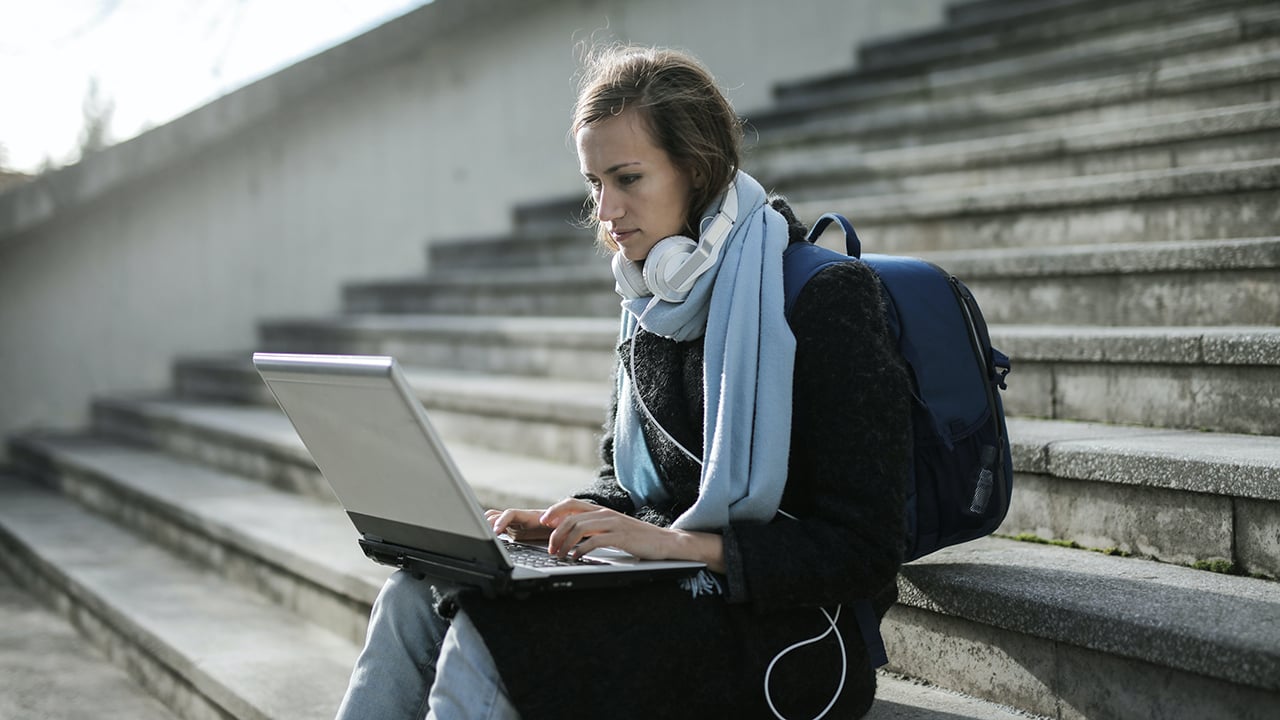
(416, 665)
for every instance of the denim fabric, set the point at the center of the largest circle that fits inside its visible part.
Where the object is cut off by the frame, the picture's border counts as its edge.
(467, 684)
(415, 664)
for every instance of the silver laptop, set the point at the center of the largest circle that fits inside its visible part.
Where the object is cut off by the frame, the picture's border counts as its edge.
(376, 447)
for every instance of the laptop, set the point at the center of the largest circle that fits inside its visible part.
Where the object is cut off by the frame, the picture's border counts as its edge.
(388, 467)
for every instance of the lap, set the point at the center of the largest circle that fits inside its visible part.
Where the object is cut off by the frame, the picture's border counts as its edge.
(666, 650)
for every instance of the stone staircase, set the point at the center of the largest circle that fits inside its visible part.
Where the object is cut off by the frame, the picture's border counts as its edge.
(1105, 175)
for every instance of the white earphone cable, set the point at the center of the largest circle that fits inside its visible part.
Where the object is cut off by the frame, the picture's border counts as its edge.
(844, 663)
(727, 220)
(645, 408)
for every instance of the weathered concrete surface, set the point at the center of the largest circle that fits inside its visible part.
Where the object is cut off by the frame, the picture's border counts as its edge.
(899, 698)
(50, 672)
(1171, 526)
(1180, 496)
(1258, 536)
(1073, 633)
(339, 168)
(1217, 379)
(1224, 464)
(190, 638)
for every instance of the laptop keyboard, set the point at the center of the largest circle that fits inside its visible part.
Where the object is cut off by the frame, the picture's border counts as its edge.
(530, 556)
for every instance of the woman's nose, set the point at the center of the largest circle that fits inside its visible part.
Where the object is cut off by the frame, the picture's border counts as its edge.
(607, 210)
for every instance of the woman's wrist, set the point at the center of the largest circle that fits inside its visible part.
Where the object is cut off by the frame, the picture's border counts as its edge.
(701, 547)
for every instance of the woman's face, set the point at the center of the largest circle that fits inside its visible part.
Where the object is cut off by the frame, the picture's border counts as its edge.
(641, 196)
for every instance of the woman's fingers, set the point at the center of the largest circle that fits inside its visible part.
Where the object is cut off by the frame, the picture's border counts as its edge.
(583, 532)
(523, 525)
(572, 529)
(592, 543)
(578, 527)
(527, 525)
(568, 507)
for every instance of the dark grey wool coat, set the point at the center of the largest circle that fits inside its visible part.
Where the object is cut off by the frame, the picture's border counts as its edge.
(656, 652)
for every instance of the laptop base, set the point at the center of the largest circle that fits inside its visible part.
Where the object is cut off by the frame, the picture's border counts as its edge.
(518, 582)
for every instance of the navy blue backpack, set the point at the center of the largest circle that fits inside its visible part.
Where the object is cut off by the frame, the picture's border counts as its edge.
(961, 478)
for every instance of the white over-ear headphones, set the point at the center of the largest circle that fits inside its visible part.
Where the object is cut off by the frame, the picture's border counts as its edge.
(676, 262)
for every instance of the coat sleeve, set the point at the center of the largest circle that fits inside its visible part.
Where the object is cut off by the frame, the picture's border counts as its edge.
(849, 460)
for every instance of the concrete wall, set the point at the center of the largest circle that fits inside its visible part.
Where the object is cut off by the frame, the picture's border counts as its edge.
(342, 168)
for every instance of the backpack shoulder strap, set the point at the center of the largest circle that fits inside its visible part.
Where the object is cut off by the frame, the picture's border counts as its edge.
(802, 260)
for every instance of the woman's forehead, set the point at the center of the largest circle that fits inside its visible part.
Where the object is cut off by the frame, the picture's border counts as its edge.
(615, 141)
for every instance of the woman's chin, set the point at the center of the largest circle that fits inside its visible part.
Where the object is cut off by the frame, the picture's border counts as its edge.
(635, 255)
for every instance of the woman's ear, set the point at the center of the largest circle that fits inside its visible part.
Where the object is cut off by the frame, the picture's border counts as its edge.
(699, 181)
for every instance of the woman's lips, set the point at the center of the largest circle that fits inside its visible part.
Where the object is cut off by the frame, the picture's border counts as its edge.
(619, 236)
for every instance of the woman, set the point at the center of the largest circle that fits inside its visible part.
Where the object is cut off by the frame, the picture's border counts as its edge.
(773, 449)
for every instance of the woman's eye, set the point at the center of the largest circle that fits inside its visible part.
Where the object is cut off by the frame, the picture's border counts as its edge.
(628, 179)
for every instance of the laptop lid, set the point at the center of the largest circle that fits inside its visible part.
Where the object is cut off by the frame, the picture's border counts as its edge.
(375, 445)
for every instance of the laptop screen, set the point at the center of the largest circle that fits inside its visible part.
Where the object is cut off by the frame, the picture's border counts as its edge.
(369, 436)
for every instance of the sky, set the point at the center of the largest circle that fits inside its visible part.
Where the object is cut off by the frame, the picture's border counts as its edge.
(153, 60)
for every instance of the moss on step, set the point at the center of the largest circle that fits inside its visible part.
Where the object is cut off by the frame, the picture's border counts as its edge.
(1032, 538)
(1223, 567)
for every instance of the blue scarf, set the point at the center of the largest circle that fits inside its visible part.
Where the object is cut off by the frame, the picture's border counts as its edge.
(749, 355)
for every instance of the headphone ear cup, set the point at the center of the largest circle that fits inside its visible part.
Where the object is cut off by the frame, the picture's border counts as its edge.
(628, 278)
(663, 261)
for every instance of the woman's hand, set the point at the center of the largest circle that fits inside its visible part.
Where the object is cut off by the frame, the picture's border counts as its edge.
(579, 527)
(521, 525)
(528, 526)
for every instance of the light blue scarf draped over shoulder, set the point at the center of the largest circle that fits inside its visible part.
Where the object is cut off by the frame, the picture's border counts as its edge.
(749, 355)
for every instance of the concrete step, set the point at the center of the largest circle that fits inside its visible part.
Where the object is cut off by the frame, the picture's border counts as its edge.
(1075, 55)
(1169, 201)
(47, 672)
(258, 442)
(1161, 142)
(149, 481)
(1017, 606)
(969, 13)
(1069, 633)
(1228, 200)
(205, 647)
(976, 32)
(1177, 495)
(583, 287)
(1096, 58)
(299, 553)
(224, 377)
(571, 348)
(515, 251)
(1205, 282)
(847, 167)
(253, 441)
(1219, 379)
(1211, 282)
(903, 698)
(1237, 74)
(545, 418)
(1242, 74)
(1216, 378)
(566, 402)
(551, 216)
(544, 234)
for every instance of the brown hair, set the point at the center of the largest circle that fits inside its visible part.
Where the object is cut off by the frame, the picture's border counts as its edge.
(681, 106)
